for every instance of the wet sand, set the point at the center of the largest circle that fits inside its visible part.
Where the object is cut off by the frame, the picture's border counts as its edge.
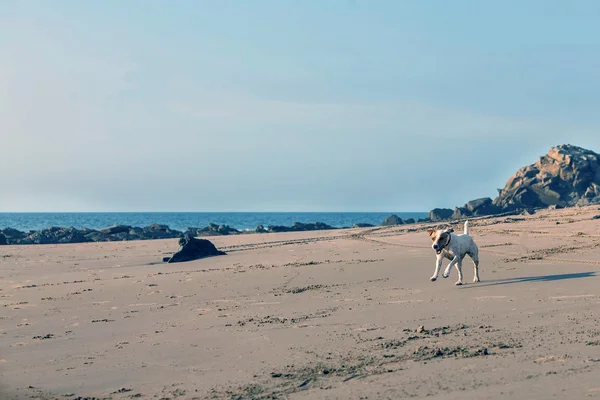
(327, 315)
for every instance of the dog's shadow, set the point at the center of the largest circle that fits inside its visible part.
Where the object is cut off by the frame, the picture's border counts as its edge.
(541, 278)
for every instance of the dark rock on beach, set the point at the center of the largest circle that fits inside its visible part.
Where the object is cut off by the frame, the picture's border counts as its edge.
(392, 220)
(440, 214)
(13, 234)
(96, 236)
(111, 230)
(193, 249)
(212, 230)
(362, 225)
(158, 231)
(55, 235)
(476, 208)
(3, 240)
(260, 229)
(301, 227)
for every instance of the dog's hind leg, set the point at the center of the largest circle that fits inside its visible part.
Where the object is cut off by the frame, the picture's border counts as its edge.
(475, 257)
(452, 263)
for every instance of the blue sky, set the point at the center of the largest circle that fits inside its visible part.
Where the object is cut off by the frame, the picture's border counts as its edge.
(309, 105)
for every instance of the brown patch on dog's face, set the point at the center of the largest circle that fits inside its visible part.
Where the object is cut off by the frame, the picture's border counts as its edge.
(432, 233)
(440, 239)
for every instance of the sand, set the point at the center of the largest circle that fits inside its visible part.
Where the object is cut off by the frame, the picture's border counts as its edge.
(326, 315)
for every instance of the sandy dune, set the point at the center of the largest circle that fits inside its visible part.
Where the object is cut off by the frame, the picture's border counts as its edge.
(326, 315)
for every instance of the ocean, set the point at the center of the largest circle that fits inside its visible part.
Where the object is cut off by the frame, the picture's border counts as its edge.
(183, 220)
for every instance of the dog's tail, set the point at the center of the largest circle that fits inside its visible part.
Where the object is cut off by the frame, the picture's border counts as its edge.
(466, 227)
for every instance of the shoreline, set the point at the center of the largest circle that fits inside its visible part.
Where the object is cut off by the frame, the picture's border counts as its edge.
(154, 231)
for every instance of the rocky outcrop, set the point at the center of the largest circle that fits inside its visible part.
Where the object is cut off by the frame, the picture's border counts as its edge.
(158, 231)
(193, 249)
(362, 225)
(55, 235)
(3, 240)
(409, 221)
(111, 230)
(12, 234)
(440, 214)
(260, 229)
(392, 220)
(566, 176)
(211, 230)
(301, 227)
(476, 208)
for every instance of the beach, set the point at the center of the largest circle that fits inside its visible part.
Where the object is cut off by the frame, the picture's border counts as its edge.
(341, 314)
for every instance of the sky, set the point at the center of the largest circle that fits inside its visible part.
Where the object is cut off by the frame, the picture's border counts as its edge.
(287, 105)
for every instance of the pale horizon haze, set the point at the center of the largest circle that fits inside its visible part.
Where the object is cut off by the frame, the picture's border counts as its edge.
(341, 105)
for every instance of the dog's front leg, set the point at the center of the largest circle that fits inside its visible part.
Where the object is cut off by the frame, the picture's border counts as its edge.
(449, 267)
(438, 266)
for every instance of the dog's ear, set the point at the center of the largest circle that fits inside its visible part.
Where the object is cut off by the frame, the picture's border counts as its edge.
(431, 232)
(450, 230)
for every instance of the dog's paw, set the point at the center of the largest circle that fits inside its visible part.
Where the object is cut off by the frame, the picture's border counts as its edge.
(475, 280)
(459, 283)
(445, 275)
(433, 278)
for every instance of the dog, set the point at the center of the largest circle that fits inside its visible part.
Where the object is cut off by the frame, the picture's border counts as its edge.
(453, 247)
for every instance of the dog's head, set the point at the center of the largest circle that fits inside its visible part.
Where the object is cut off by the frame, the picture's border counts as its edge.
(440, 238)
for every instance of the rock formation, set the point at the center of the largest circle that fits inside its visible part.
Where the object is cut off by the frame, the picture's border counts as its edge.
(362, 225)
(212, 230)
(54, 235)
(440, 214)
(392, 220)
(301, 227)
(566, 176)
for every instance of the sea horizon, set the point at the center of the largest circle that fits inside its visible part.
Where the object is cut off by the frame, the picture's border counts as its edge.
(181, 220)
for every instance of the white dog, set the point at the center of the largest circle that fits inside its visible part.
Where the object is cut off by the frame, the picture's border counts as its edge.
(454, 247)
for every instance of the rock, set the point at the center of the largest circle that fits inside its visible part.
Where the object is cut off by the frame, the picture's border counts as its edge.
(55, 235)
(421, 220)
(227, 230)
(136, 231)
(596, 217)
(97, 236)
(3, 241)
(193, 249)
(392, 220)
(555, 207)
(301, 227)
(260, 229)
(409, 221)
(567, 176)
(120, 237)
(482, 206)
(476, 208)
(158, 231)
(461, 212)
(440, 214)
(420, 329)
(111, 230)
(362, 225)
(211, 230)
(13, 234)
